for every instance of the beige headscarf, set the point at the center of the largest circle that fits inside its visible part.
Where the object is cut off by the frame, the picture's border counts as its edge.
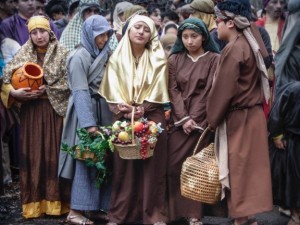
(123, 82)
(168, 39)
(134, 10)
(204, 10)
(120, 8)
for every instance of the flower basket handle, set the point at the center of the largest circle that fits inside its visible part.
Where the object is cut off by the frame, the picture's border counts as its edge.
(132, 123)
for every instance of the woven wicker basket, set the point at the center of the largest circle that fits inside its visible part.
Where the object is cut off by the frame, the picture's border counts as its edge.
(87, 154)
(84, 155)
(133, 151)
(200, 175)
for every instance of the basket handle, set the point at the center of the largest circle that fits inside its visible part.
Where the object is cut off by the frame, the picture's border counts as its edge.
(98, 132)
(200, 140)
(132, 123)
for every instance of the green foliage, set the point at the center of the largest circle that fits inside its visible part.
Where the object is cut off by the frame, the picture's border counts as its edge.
(97, 143)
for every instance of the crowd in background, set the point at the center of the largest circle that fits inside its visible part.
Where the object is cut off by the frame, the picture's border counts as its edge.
(229, 65)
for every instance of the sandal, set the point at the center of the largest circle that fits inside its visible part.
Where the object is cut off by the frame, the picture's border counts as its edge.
(79, 220)
(97, 216)
(194, 221)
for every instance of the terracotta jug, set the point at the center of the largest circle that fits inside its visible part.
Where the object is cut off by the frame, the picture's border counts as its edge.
(28, 75)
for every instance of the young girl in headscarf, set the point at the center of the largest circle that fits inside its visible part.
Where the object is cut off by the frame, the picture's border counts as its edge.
(192, 65)
(41, 120)
(136, 76)
(86, 66)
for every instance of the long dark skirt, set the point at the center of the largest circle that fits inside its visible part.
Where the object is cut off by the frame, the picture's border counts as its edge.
(285, 168)
(41, 130)
(139, 186)
(180, 146)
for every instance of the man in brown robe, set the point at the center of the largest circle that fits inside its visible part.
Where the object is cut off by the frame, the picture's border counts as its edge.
(235, 110)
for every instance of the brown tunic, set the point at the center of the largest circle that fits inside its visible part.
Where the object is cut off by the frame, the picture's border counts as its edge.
(237, 82)
(189, 85)
(139, 186)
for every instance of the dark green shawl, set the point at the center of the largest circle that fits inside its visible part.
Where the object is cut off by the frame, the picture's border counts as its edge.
(198, 26)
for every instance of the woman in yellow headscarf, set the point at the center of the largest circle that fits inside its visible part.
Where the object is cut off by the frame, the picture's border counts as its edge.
(137, 76)
(41, 120)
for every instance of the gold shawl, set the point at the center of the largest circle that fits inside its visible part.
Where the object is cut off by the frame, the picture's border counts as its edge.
(54, 68)
(124, 83)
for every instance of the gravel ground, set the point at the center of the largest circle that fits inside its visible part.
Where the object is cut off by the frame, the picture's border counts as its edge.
(10, 213)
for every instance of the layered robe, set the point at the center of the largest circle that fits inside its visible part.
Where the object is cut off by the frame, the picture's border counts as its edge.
(236, 97)
(84, 76)
(188, 91)
(41, 123)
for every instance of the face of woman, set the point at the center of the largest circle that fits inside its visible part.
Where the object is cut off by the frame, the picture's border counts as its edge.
(101, 40)
(40, 37)
(156, 17)
(192, 41)
(140, 33)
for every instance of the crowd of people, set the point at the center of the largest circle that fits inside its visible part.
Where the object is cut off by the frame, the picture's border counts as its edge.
(228, 66)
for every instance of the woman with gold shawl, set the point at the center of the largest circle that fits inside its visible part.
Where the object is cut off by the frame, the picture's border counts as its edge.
(41, 119)
(137, 76)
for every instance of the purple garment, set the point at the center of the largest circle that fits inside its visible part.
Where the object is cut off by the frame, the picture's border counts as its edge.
(265, 3)
(15, 28)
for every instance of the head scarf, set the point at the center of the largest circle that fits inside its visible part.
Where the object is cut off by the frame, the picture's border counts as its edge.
(204, 10)
(70, 37)
(91, 28)
(291, 36)
(123, 82)
(120, 8)
(240, 12)
(168, 39)
(198, 26)
(38, 22)
(85, 4)
(134, 10)
(167, 25)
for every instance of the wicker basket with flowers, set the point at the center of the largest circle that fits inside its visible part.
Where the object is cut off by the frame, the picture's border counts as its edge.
(135, 139)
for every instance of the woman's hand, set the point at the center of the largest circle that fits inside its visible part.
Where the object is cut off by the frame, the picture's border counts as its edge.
(24, 94)
(279, 142)
(41, 90)
(92, 130)
(189, 126)
(125, 108)
(139, 112)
